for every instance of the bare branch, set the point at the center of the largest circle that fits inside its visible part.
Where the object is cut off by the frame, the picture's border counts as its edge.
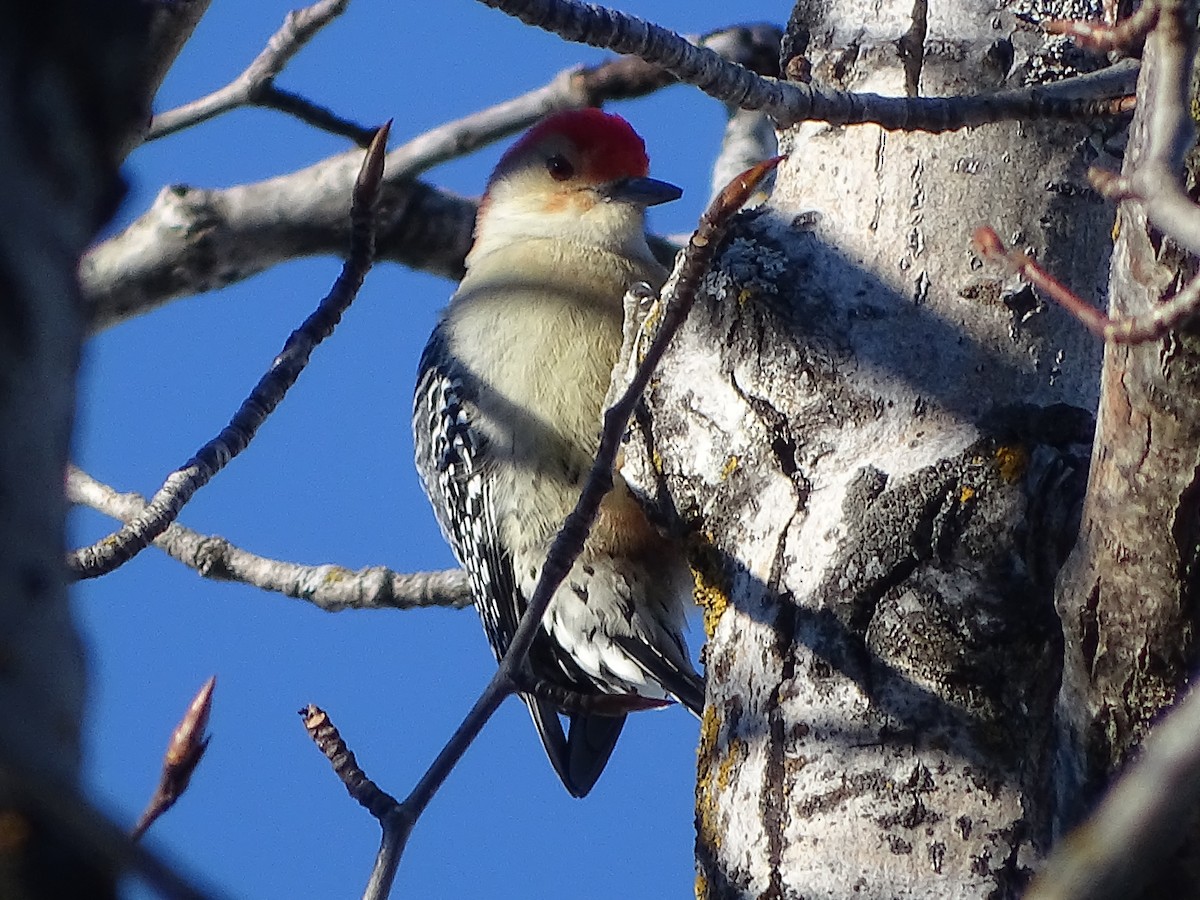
(271, 96)
(788, 102)
(1141, 820)
(118, 548)
(187, 745)
(193, 240)
(1103, 37)
(1153, 325)
(1156, 178)
(329, 587)
(256, 84)
(679, 295)
(386, 809)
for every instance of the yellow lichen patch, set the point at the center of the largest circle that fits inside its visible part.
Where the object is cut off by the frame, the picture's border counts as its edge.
(709, 589)
(713, 601)
(335, 574)
(707, 831)
(1012, 460)
(656, 460)
(966, 494)
(648, 329)
(701, 887)
(737, 752)
(743, 295)
(731, 466)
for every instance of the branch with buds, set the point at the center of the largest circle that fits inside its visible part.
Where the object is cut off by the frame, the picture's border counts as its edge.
(184, 752)
(677, 300)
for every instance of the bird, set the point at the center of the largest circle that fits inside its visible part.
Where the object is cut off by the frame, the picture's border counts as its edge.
(506, 424)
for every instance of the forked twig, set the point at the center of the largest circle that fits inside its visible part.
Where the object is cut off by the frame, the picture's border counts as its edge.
(398, 821)
(1122, 330)
(256, 85)
(1155, 178)
(118, 548)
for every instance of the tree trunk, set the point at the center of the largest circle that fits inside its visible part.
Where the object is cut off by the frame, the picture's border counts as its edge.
(1130, 592)
(69, 99)
(881, 445)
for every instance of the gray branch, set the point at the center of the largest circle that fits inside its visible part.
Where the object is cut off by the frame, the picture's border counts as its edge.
(332, 588)
(256, 85)
(1083, 97)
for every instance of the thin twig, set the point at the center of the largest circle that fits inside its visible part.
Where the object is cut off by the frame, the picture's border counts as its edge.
(1153, 325)
(184, 751)
(386, 809)
(1141, 819)
(680, 294)
(1102, 37)
(1155, 179)
(790, 102)
(329, 587)
(271, 96)
(255, 86)
(121, 546)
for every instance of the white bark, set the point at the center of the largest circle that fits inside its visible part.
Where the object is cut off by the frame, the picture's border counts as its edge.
(878, 438)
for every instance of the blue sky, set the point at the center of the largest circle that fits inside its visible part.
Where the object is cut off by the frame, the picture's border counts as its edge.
(330, 479)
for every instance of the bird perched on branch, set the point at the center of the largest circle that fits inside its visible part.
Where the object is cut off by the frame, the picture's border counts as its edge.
(507, 421)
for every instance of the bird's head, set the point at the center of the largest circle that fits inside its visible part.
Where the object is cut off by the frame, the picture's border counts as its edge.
(579, 176)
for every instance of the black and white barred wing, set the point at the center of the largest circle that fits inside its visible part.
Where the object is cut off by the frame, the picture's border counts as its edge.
(449, 459)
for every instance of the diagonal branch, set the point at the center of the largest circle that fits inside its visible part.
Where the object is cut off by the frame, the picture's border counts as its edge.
(329, 587)
(256, 85)
(1085, 97)
(1165, 317)
(121, 546)
(679, 295)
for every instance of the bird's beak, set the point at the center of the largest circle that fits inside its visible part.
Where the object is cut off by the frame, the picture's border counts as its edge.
(640, 191)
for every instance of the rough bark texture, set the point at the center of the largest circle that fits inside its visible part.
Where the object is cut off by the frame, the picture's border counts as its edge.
(1130, 594)
(68, 83)
(881, 447)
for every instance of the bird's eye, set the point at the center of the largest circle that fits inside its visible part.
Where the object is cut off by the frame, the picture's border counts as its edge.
(560, 168)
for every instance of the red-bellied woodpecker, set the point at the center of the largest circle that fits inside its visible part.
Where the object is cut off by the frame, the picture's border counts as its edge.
(507, 423)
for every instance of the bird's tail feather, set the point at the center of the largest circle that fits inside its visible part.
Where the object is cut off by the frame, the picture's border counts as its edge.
(579, 755)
